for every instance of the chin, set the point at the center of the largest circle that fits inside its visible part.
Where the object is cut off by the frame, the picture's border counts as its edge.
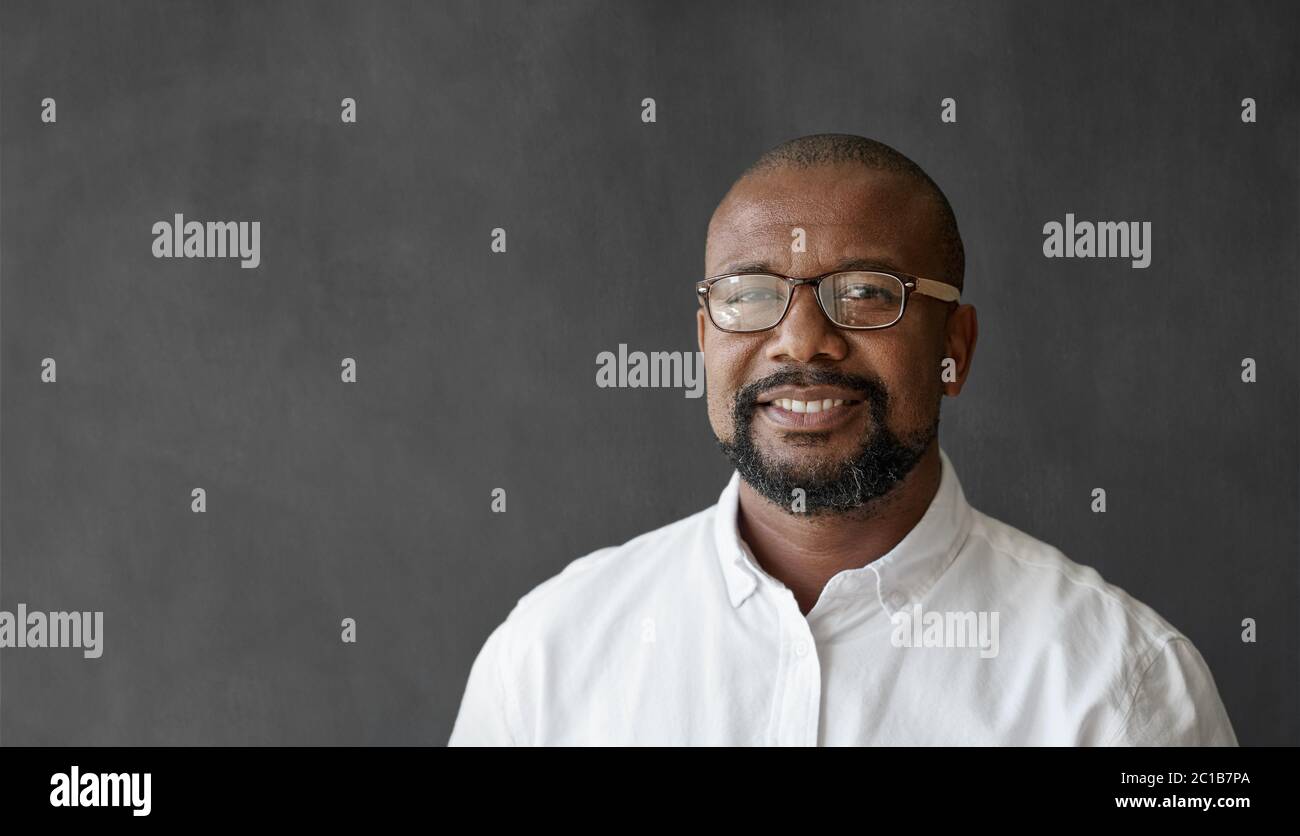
(805, 463)
(798, 447)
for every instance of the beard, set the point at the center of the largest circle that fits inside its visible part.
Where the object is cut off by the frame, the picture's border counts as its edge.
(858, 484)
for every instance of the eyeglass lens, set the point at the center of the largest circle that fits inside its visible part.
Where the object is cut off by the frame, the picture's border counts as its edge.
(755, 301)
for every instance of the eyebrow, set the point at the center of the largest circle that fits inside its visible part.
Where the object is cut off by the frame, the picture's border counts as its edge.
(846, 264)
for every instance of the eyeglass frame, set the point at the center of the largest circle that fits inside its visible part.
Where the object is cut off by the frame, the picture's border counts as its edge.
(911, 284)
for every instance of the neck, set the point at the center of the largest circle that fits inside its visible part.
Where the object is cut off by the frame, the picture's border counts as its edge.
(805, 551)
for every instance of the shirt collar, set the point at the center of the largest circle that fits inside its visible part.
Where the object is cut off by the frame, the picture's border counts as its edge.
(901, 576)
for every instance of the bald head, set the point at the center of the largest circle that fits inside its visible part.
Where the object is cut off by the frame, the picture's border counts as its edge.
(831, 150)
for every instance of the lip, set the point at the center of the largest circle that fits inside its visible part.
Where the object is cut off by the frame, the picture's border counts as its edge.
(810, 393)
(819, 421)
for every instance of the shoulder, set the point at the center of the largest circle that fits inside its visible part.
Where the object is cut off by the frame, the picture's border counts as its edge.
(1112, 649)
(604, 583)
(1040, 578)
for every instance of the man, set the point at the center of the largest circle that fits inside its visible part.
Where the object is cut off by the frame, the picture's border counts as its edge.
(842, 591)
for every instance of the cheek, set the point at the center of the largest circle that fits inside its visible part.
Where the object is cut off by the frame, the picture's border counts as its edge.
(917, 395)
(725, 371)
(721, 391)
(910, 373)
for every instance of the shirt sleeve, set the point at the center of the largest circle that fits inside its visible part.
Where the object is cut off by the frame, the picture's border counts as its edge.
(485, 714)
(1176, 703)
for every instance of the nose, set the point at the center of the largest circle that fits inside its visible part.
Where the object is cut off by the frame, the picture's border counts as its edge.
(806, 333)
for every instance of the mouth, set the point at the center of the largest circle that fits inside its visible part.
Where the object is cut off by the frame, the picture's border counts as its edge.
(809, 408)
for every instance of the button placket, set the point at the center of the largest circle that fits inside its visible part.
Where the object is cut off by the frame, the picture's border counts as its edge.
(800, 699)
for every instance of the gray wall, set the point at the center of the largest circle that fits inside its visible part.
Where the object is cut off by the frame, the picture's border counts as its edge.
(477, 370)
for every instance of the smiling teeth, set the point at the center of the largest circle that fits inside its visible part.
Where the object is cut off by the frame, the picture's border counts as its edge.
(791, 405)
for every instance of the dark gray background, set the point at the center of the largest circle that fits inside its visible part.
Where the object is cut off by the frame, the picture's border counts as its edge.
(477, 370)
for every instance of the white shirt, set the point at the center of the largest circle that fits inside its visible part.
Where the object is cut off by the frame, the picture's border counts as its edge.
(679, 637)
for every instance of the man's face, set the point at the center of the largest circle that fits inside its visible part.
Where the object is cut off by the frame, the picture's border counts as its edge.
(889, 379)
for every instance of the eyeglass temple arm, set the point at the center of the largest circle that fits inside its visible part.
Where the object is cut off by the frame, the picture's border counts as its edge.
(939, 290)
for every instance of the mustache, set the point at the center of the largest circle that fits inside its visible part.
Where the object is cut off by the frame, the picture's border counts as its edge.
(872, 390)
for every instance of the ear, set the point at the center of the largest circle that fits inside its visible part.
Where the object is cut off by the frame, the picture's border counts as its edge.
(959, 344)
(701, 322)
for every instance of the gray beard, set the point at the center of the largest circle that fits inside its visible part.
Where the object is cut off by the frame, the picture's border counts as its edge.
(858, 485)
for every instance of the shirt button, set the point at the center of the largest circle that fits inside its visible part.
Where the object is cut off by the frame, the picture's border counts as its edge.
(801, 648)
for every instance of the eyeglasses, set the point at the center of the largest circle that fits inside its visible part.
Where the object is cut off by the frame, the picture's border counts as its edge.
(857, 299)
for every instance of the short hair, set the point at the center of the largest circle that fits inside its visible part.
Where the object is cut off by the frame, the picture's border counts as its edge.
(830, 149)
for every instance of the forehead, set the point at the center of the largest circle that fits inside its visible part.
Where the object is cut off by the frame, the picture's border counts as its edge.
(845, 211)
